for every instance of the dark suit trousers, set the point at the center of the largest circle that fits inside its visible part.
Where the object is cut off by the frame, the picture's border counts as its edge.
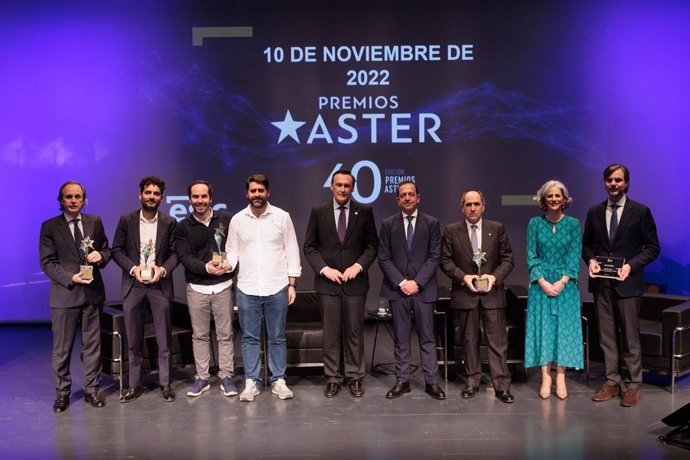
(134, 306)
(402, 326)
(343, 337)
(614, 312)
(494, 321)
(65, 322)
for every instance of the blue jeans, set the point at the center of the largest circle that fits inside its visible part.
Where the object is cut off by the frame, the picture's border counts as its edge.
(253, 309)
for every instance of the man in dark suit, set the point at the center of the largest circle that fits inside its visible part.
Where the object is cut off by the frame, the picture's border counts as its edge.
(409, 255)
(620, 228)
(469, 247)
(68, 241)
(144, 248)
(340, 245)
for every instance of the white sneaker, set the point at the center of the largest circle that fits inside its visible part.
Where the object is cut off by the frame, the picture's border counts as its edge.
(281, 390)
(250, 391)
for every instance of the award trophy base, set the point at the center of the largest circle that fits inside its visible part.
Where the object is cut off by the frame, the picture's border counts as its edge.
(218, 258)
(146, 274)
(86, 272)
(481, 284)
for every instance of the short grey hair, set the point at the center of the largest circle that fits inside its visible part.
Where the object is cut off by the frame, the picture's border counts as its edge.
(540, 197)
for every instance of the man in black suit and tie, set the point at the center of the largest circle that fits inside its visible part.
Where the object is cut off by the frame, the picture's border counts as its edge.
(340, 245)
(144, 247)
(619, 228)
(409, 255)
(469, 247)
(67, 242)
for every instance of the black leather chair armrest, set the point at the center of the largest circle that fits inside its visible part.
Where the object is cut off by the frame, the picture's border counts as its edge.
(673, 317)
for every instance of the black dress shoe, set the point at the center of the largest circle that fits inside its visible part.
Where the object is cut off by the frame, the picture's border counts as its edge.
(469, 392)
(356, 389)
(332, 390)
(132, 394)
(398, 389)
(167, 393)
(61, 403)
(435, 391)
(95, 399)
(505, 396)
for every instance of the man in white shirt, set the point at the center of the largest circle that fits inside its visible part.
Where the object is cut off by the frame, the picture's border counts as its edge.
(262, 240)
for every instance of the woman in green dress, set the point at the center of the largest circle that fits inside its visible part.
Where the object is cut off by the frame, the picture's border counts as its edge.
(553, 331)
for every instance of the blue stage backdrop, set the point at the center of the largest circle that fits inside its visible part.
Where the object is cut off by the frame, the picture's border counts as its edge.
(497, 96)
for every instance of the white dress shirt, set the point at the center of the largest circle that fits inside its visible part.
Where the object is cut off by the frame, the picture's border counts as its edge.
(266, 249)
(147, 235)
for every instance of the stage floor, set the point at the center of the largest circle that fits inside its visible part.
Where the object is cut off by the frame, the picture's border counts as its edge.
(311, 426)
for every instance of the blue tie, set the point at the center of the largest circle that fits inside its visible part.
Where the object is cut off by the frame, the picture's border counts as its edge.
(410, 232)
(613, 225)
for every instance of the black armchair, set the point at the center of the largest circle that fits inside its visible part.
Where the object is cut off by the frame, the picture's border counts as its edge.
(114, 356)
(664, 334)
(515, 326)
(304, 331)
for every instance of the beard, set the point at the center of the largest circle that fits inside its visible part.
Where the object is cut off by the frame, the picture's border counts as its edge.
(151, 205)
(257, 202)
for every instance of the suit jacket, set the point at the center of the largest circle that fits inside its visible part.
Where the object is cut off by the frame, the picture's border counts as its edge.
(323, 248)
(420, 263)
(127, 246)
(636, 241)
(60, 259)
(456, 262)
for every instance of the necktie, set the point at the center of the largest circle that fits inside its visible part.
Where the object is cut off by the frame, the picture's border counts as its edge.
(613, 225)
(77, 235)
(410, 232)
(473, 239)
(342, 225)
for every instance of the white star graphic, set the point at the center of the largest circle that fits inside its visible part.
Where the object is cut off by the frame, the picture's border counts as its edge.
(287, 127)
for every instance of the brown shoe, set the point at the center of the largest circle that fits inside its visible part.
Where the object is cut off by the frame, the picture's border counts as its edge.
(606, 393)
(631, 397)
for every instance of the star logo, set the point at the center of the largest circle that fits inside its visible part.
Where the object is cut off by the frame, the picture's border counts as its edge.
(288, 127)
(87, 245)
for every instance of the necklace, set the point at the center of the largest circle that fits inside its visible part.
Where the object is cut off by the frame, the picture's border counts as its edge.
(554, 222)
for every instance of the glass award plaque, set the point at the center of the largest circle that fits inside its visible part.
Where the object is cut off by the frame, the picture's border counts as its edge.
(609, 267)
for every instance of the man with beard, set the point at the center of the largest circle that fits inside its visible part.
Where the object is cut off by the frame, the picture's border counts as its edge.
(622, 229)
(340, 246)
(67, 241)
(200, 240)
(262, 240)
(144, 247)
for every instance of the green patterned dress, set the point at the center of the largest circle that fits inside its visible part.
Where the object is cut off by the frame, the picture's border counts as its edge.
(554, 329)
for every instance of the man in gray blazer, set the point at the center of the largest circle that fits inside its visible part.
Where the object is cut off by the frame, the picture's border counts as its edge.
(144, 247)
(409, 255)
(68, 241)
(340, 245)
(468, 247)
(625, 229)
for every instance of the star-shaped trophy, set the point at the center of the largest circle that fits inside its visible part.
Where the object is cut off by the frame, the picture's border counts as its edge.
(146, 273)
(85, 269)
(481, 284)
(218, 236)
